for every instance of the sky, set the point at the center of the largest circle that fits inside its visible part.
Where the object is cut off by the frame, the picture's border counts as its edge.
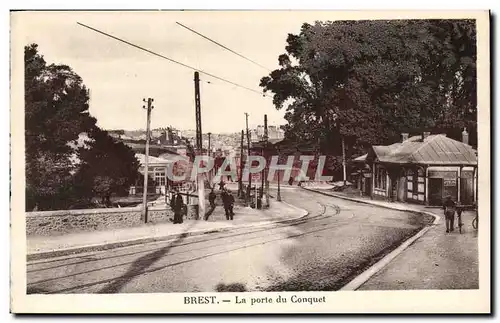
(120, 76)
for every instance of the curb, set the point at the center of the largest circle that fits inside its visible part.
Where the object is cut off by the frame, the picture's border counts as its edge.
(362, 278)
(126, 243)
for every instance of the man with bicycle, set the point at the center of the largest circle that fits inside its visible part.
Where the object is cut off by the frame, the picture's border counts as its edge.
(449, 208)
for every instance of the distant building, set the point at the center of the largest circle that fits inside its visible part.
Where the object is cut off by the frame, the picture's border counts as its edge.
(157, 170)
(274, 133)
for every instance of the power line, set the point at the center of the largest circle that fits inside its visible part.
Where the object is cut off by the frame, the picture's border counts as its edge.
(225, 47)
(171, 60)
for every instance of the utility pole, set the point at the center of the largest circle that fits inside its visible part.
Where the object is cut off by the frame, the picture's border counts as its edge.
(278, 196)
(343, 161)
(248, 158)
(146, 162)
(209, 135)
(264, 178)
(209, 154)
(240, 186)
(199, 145)
(199, 142)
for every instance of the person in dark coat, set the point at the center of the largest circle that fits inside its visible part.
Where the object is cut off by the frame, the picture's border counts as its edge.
(225, 201)
(231, 206)
(172, 201)
(178, 208)
(449, 208)
(211, 199)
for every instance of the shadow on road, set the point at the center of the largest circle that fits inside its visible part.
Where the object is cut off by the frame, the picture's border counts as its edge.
(141, 264)
(235, 287)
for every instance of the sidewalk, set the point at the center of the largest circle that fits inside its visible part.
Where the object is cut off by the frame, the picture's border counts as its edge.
(43, 246)
(437, 260)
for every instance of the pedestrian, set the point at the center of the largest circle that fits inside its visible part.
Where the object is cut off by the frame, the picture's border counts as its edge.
(172, 200)
(449, 208)
(178, 208)
(225, 202)
(211, 199)
(230, 198)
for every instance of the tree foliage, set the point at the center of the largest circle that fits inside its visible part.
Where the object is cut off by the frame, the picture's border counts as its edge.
(61, 168)
(107, 167)
(368, 81)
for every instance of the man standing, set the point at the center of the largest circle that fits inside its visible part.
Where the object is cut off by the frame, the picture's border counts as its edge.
(211, 199)
(449, 213)
(230, 201)
(225, 201)
(178, 208)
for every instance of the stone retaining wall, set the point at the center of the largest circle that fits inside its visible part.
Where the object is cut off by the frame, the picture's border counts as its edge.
(72, 221)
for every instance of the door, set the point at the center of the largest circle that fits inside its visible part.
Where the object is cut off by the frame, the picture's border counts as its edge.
(435, 191)
(402, 189)
(368, 186)
(466, 191)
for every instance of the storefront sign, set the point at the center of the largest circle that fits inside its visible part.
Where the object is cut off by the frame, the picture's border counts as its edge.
(450, 182)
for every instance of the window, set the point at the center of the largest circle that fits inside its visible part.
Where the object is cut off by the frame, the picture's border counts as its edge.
(380, 177)
(421, 181)
(160, 177)
(409, 182)
(415, 181)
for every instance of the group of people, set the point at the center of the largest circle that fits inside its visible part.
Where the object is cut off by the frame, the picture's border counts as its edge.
(227, 201)
(179, 207)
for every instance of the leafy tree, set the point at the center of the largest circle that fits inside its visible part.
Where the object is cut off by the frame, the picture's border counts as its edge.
(62, 168)
(56, 113)
(368, 81)
(107, 167)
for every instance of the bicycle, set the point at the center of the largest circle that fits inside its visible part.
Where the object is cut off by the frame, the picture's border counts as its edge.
(475, 222)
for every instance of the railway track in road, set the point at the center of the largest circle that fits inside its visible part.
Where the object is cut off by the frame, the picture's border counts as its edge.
(246, 239)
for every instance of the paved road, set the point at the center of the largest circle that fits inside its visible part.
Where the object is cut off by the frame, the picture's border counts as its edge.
(336, 242)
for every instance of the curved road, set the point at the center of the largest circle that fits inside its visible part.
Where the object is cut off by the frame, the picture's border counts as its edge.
(337, 241)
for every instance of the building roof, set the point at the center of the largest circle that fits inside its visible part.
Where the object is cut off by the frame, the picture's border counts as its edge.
(152, 160)
(434, 150)
(361, 158)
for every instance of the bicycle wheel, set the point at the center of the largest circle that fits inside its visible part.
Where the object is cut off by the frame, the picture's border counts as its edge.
(474, 223)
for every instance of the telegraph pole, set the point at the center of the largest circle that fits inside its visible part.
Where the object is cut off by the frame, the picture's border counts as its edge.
(199, 142)
(278, 196)
(146, 162)
(248, 158)
(264, 178)
(209, 154)
(209, 135)
(199, 146)
(343, 161)
(240, 186)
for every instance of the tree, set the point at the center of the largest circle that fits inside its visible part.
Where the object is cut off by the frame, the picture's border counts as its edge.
(56, 113)
(107, 167)
(368, 81)
(68, 158)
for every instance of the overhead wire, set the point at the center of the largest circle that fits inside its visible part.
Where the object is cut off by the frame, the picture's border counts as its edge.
(172, 60)
(223, 46)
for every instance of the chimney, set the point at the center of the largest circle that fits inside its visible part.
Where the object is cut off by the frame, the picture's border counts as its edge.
(425, 134)
(404, 136)
(465, 136)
